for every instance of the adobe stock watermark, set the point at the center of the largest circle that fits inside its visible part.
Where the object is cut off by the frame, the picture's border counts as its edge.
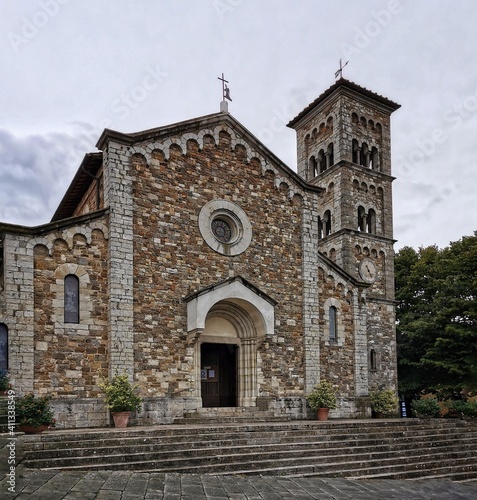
(121, 106)
(453, 119)
(31, 26)
(222, 7)
(12, 443)
(281, 117)
(372, 29)
(130, 100)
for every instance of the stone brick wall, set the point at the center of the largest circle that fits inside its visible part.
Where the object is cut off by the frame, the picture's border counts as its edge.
(71, 358)
(46, 355)
(172, 260)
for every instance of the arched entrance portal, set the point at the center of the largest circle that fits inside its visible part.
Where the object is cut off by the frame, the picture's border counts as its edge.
(226, 322)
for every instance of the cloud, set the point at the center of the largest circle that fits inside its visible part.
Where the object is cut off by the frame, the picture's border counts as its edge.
(36, 171)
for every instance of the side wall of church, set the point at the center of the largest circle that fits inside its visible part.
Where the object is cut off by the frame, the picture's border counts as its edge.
(48, 355)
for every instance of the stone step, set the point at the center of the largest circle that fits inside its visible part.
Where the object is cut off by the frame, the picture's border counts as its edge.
(272, 443)
(50, 441)
(328, 428)
(247, 454)
(389, 447)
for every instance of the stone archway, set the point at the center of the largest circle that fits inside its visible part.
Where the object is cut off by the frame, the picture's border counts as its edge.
(231, 313)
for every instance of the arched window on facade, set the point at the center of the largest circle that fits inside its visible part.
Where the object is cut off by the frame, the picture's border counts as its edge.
(72, 299)
(361, 219)
(371, 219)
(333, 323)
(3, 347)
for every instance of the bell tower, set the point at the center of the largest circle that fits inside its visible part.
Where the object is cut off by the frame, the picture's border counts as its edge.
(344, 146)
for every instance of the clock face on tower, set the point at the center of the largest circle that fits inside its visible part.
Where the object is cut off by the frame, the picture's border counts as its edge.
(368, 271)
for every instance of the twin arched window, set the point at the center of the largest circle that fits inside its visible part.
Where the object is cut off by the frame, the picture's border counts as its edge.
(367, 221)
(365, 156)
(324, 225)
(324, 160)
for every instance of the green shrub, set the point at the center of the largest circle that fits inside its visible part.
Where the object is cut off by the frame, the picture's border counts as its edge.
(383, 401)
(33, 411)
(463, 408)
(426, 407)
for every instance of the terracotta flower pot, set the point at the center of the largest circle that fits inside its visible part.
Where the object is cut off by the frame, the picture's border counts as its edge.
(121, 419)
(323, 413)
(30, 429)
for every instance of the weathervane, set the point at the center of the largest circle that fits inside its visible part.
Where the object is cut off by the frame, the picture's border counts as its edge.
(225, 94)
(340, 71)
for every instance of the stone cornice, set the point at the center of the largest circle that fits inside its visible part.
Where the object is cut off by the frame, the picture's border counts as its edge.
(51, 226)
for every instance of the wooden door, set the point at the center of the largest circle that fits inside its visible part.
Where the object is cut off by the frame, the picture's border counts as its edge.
(218, 375)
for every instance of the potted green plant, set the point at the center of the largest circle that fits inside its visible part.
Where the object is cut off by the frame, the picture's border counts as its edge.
(33, 414)
(322, 398)
(4, 382)
(383, 402)
(426, 407)
(121, 398)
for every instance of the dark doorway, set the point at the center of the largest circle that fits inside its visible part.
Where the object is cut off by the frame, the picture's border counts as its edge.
(218, 373)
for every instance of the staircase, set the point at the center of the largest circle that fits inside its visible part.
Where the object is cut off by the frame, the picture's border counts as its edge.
(406, 448)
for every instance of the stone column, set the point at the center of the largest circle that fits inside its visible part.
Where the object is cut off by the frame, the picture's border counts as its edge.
(19, 310)
(248, 372)
(311, 333)
(119, 197)
(360, 347)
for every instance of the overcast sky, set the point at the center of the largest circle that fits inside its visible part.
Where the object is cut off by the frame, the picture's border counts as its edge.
(70, 68)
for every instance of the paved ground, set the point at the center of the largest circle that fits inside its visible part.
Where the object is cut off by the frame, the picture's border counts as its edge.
(124, 485)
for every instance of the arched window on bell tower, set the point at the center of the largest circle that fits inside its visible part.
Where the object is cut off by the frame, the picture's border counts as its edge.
(355, 151)
(362, 225)
(371, 219)
(364, 155)
(374, 159)
(313, 168)
(324, 225)
(330, 155)
(321, 161)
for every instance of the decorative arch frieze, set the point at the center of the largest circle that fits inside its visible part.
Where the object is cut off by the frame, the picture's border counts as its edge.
(90, 233)
(147, 150)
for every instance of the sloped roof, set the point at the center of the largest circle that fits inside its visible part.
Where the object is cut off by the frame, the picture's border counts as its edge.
(343, 83)
(93, 161)
(79, 185)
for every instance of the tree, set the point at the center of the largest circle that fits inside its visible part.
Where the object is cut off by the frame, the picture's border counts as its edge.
(436, 316)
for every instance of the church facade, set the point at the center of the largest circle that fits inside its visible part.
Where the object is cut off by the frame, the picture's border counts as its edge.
(190, 257)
